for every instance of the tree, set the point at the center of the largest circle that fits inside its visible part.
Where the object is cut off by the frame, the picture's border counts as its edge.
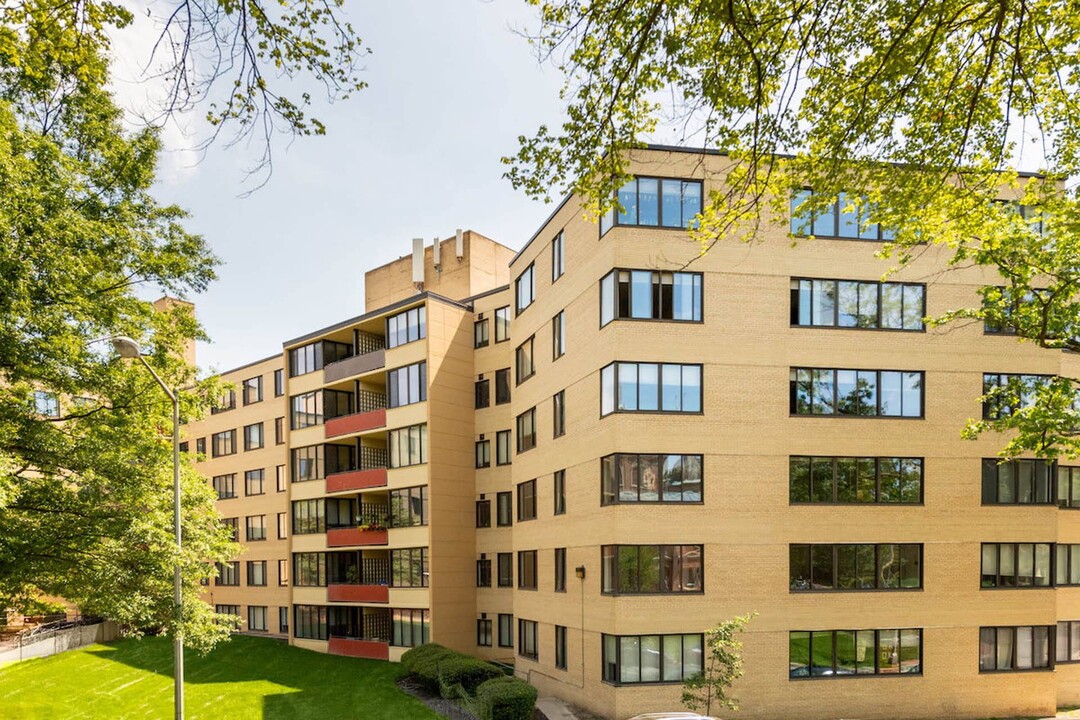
(916, 114)
(85, 439)
(723, 666)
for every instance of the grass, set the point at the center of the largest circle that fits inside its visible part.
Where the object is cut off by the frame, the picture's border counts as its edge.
(246, 678)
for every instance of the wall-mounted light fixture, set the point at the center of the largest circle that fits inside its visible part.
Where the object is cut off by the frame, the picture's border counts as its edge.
(580, 572)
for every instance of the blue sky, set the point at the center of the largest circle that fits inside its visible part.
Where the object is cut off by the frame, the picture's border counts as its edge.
(416, 154)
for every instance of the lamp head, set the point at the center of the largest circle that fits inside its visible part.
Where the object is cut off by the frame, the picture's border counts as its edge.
(125, 347)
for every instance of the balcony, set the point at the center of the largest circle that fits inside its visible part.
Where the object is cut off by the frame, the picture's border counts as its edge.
(355, 647)
(358, 593)
(355, 537)
(370, 474)
(370, 415)
(355, 578)
(357, 632)
(355, 365)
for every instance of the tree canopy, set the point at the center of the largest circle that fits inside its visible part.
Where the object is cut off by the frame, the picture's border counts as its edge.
(917, 114)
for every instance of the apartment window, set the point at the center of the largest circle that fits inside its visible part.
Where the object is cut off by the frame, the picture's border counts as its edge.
(1023, 482)
(406, 327)
(252, 390)
(257, 618)
(406, 385)
(483, 632)
(407, 446)
(282, 566)
(558, 335)
(1008, 393)
(223, 443)
(309, 569)
(184, 447)
(279, 383)
(225, 485)
(308, 463)
(409, 506)
(1003, 649)
(506, 633)
(1009, 565)
(313, 356)
(855, 480)
(650, 295)
(283, 620)
(1001, 319)
(868, 393)
(502, 386)
(650, 387)
(845, 218)
(1067, 643)
(1067, 564)
(655, 202)
(884, 566)
(282, 526)
(558, 413)
(482, 391)
(253, 482)
(558, 260)
(559, 482)
(279, 431)
(483, 572)
(631, 478)
(647, 569)
(502, 447)
(46, 404)
(483, 453)
(480, 334)
(227, 401)
(527, 639)
(311, 622)
(560, 569)
(502, 324)
(228, 574)
(410, 627)
(483, 513)
(409, 568)
(506, 569)
(629, 659)
(524, 290)
(253, 436)
(857, 304)
(560, 647)
(833, 653)
(1068, 487)
(280, 478)
(200, 447)
(503, 516)
(526, 569)
(255, 527)
(526, 430)
(526, 501)
(316, 516)
(526, 368)
(256, 573)
(234, 527)
(306, 410)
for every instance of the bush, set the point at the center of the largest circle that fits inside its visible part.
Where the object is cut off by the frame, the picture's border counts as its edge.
(463, 674)
(506, 698)
(423, 663)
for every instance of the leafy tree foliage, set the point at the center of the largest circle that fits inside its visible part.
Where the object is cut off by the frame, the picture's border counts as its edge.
(85, 501)
(915, 114)
(723, 666)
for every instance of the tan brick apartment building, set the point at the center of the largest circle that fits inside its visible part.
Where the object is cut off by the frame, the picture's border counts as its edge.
(579, 457)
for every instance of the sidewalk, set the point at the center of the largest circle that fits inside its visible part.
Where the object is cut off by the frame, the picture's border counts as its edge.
(554, 708)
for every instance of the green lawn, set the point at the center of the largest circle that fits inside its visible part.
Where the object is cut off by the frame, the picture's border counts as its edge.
(246, 678)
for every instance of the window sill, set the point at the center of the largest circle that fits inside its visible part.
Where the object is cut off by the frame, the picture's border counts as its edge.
(836, 591)
(853, 676)
(652, 412)
(1016, 670)
(856, 417)
(652, 594)
(651, 502)
(921, 330)
(652, 320)
(1024, 587)
(795, 503)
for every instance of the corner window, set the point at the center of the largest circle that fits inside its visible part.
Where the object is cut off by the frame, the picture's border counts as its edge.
(406, 327)
(845, 218)
(650, 387)
(406, 385)
(482, 394)
(655, 202)
(524, 290)
(631, 659)
(631, 478)
(502, 386)
(650, 295)
(651, 569)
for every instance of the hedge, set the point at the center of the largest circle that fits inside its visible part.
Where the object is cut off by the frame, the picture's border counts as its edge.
(423, 662)
(464, 674)
(506, 698)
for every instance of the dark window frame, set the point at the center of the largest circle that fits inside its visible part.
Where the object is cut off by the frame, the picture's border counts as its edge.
(835, 475)
(617, 564)
(616, 398)
(832, 671)
(615, 307)
(611, 219)
(794, 382)
(796, 291)
(805, 585)
(614, 497)
(526, 501)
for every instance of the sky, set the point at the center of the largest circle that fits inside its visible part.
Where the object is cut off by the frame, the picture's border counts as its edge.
(416, 154)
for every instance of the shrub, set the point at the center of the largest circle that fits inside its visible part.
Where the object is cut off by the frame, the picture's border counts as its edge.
(462, 673)
(506, 698)
(423, 662)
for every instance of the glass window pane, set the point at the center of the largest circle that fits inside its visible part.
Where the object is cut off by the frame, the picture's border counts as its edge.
(649, 469)
(910, 651)
(1074, 640)
(912, 400)
(825, 221)
(607, 298)
(672, 660)
(799, 479)
(889, 479)
(1042, 565)
(691, 478)
(867, 487)
(987, 649)
(641, 294)
(1007, 564)
(800, 218)
(822, 480)
(888, 652)
(607, 390)
(650, 658)
(648, 387)
(989, 565)
(648, 201)
(672, 390)
(693, 655)
(1023, 648)
(798, 654)
(864, 652)
(849, 218)
(691, 388)
(822, 569)
(888, 565)
(799, 567)
(845, 652)
(1040, 647)
(821, 646)
(913, 307)
(824, 309)
(628, 200)
(823, 398)
(629, 659)
(891, 394)
(627, 386)
(691, 202)
(847, 480)
(892, 306)
(868, 305)
(671, 203)
(847, 304)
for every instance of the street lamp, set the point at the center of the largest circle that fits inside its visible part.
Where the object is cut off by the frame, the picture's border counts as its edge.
(127, 348)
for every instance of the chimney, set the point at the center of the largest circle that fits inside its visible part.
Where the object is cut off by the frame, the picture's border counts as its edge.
(418, 263)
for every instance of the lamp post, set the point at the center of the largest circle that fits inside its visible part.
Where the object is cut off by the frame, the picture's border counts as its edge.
(127, 348)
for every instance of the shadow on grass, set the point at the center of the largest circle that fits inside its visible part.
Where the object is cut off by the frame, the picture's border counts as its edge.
(305, 684)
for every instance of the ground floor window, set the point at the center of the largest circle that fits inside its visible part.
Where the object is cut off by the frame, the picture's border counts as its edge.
(283, 619)
(311, 623)
(1067, 643)
(483, 632)
(651, 658)
(1026, 647)
(527, 639)
(829, 653)
(257, 617)
(410, 627)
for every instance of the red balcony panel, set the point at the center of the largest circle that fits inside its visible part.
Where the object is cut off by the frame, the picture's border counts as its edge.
(358, 593)
(357, 422)
(371, 649)
(348, 537)
(356, 480)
